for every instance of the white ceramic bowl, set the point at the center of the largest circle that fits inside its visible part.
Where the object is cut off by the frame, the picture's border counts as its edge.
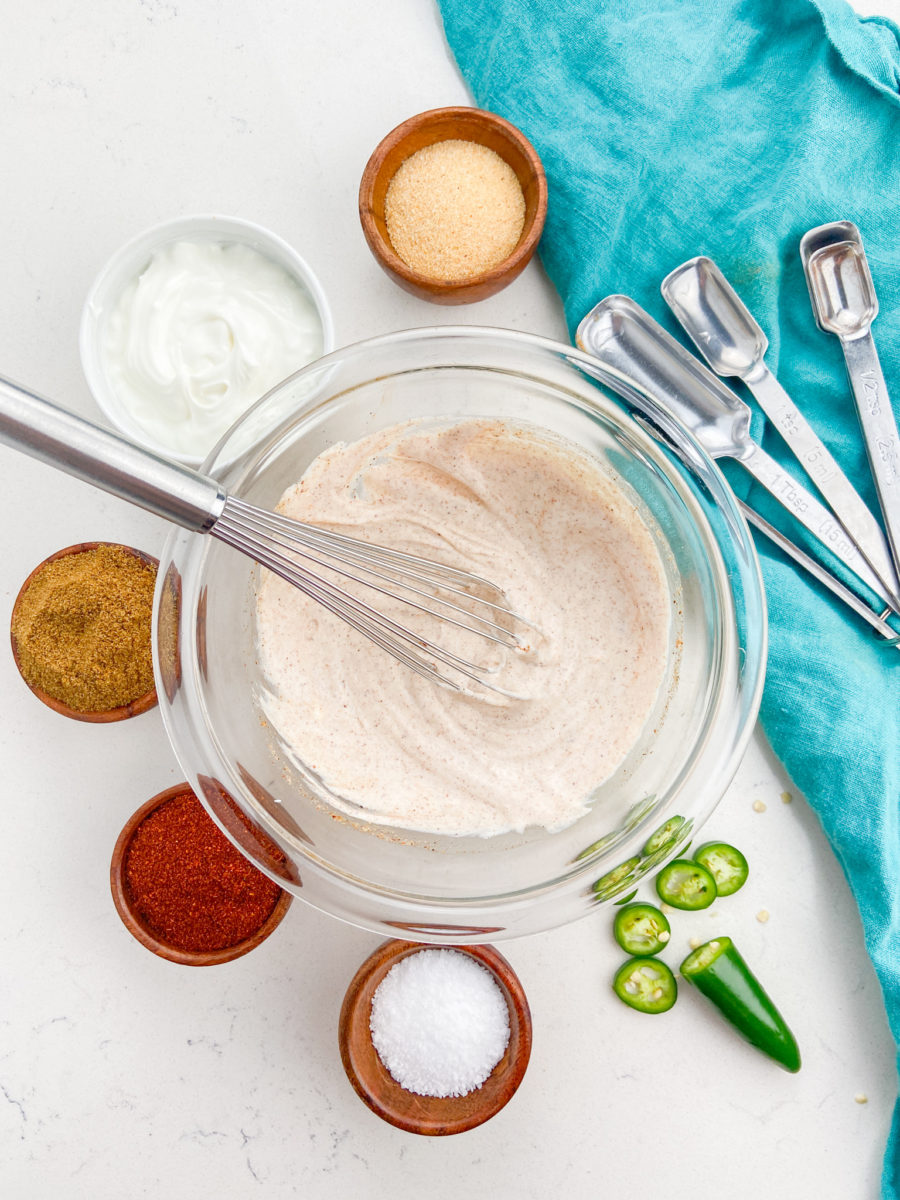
(127, 264)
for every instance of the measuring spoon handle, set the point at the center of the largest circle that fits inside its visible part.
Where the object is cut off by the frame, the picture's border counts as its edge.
(822, 468)
(816, 569)
(879, 429)
(819, 520)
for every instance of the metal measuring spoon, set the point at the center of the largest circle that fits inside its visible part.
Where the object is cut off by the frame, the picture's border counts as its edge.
(653, 415)
(731, 341)
(844, 302)
(619, 333)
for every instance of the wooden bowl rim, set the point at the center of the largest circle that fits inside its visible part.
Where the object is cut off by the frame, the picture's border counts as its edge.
(384, 251)
(135, 925)
(133, 708)
(441, 1115)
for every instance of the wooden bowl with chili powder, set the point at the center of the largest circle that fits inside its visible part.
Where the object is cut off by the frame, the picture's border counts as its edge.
(184, 891)
(36, 662)
(426, 129)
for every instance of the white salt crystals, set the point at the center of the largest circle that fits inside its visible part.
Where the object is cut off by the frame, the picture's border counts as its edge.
(439, 1023)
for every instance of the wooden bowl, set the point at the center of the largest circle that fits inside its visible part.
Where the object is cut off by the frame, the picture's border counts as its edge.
(430, 1115)
(137, 926)
(439, 125)
(135, 707)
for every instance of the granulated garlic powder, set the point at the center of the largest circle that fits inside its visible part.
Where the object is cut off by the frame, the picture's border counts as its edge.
(454, 210)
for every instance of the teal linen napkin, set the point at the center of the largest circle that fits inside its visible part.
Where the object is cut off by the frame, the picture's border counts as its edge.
(670, 128)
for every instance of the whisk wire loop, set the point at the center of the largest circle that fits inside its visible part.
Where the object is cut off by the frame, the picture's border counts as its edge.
(278, 542)
(280, 534)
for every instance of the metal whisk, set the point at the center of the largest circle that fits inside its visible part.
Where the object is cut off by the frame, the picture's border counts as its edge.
(310, 558)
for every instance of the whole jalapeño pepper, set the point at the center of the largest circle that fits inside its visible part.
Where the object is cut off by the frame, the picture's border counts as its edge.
(718, 970)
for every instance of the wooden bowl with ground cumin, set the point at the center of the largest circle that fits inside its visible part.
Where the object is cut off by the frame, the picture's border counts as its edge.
(452, 204)
(81, 631)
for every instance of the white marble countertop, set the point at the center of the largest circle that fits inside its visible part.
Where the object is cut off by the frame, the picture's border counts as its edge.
(123, 1075)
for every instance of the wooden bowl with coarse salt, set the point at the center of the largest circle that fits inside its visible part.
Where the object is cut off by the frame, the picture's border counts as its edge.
(452, 204)
(430, 1115)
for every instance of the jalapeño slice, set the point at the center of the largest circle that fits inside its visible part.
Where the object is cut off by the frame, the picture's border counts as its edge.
(641, 929)
(726, 864)
(663, 837)
(646, 984)
(686, 884)
(616, 879)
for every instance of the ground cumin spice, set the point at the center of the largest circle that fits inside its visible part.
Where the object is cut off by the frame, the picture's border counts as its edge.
(82, 628)
(454, 210)
(189, 884)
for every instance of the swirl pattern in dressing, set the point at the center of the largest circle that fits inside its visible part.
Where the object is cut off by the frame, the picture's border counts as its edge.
(572, 554)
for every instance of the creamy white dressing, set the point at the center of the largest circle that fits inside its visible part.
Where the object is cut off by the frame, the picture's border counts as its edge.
(204, 331)
(572, 554)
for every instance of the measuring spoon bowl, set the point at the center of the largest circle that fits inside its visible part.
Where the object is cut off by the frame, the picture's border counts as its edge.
(620, 333)
(714, 317)
(827, 235)
(818, 238)
(842, 289)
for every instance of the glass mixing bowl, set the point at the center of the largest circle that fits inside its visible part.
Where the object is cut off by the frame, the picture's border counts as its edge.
(464, 889)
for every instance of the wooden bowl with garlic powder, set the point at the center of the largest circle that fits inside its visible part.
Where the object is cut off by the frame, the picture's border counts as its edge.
(452, 204)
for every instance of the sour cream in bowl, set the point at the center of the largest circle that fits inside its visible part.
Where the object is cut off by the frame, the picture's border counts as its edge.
(189, 324)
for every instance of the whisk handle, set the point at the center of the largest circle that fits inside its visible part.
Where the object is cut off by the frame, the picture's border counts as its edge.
(62, 439)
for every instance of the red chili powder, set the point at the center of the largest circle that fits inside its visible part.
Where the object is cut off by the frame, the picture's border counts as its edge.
(193, 889)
